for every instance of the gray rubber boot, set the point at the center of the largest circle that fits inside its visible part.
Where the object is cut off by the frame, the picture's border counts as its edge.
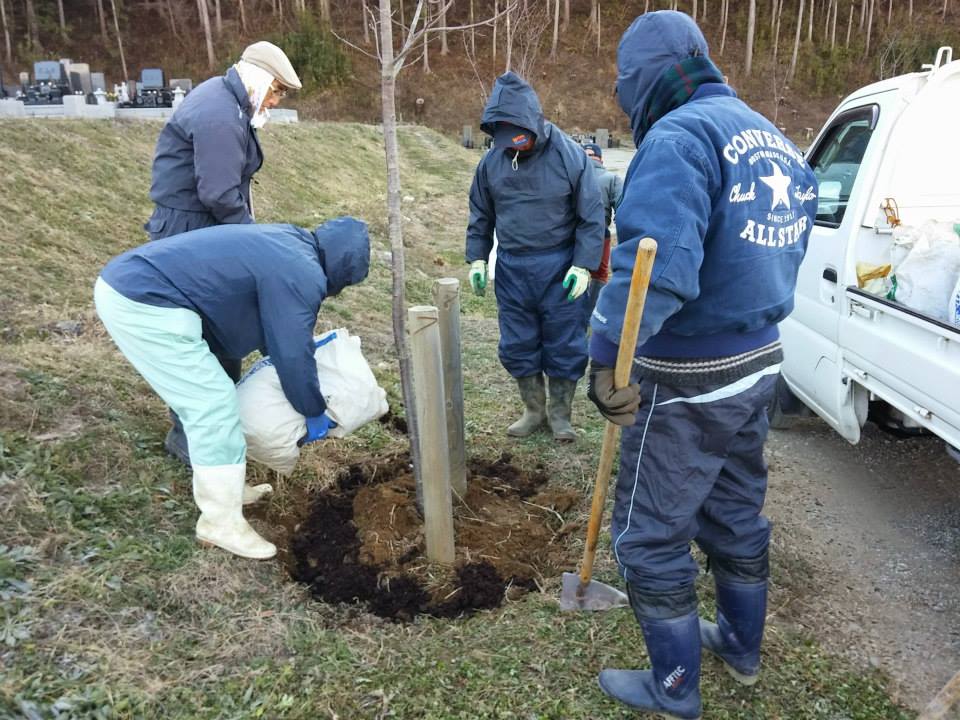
(560, 407)
(534, 398)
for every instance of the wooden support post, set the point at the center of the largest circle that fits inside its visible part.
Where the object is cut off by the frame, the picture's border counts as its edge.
(424, 328)
(446, 296)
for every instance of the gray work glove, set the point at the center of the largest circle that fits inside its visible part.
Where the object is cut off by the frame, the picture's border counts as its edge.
(618, 406)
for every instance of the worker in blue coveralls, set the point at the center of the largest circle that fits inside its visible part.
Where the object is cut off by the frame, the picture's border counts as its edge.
(535, 187)
(174, 307)
(206, 157)
(611, 188)
(731, 203)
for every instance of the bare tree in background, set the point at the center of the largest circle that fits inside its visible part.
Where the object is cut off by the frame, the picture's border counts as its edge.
(833, 24)
(325, 12)
(509, 40)
(33, 29)
(724, 16)
(872, 3)
(751, 31)
(63, 20)
(813, 10)
(776, 31)
(846, 43)
(6, 32)
(366, 24)
(102, 20)
(444, 49)
(594, 13)
(556, 29)
(796, 43)
(204, 12)
(566, 14)
(473, 33)
(116, 29)
(496, 17)
(243, 15)
(426, 40)
(217, 14)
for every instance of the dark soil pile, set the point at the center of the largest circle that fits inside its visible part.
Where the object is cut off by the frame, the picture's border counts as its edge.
(363, 541)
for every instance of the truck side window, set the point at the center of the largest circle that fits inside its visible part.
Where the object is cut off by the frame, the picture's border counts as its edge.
(836, 161)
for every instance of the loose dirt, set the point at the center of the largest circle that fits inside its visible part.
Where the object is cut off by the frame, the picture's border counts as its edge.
(362, 541)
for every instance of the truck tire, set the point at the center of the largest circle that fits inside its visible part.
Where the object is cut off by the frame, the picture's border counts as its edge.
(780, 409)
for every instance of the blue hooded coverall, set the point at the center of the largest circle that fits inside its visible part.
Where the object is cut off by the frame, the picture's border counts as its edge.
(731, 203)
(205, 158)
(228, 290)
(548, 216)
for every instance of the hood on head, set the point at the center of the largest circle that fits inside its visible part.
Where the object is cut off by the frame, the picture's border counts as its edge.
(651, 45)
(344, 248)
(513, 101)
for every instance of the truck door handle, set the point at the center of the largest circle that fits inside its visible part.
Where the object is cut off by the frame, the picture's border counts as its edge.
(830, 274)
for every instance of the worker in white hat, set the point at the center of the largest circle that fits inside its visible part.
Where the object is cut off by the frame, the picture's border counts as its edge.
(206, 156)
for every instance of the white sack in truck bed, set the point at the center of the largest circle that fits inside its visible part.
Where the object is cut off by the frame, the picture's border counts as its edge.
(270, 424)
(924, 280)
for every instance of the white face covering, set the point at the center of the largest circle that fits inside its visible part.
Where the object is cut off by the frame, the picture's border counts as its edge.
(257, 82)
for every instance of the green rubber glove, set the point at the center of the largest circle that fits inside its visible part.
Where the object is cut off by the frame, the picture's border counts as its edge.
(578, 280)
(478, 277)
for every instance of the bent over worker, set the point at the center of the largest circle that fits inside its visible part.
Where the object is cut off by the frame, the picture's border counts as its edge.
(537, 190)
(206, 157)
(173, 307)
(729, 200)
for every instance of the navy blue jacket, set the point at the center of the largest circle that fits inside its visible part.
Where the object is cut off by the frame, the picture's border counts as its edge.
(255, 287)
(550, 201)
(729, 200)
(208, 152)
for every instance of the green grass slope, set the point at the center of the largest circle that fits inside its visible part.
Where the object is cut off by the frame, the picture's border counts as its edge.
(108, 608)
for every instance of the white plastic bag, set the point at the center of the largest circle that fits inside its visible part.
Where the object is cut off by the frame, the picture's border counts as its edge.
(925, 279)
(270, 424)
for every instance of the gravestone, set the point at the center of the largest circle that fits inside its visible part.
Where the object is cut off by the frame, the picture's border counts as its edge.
(151, 79)
(468, 136)
(49, 71)
(73, 105)
(603, 138)
(185, 84)
(99, 81)
(80, 80)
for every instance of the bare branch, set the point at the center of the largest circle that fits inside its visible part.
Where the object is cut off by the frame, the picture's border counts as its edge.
(414, 37)
(356, 47)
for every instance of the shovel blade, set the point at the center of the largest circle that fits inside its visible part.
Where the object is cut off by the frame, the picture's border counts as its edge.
(592, 597)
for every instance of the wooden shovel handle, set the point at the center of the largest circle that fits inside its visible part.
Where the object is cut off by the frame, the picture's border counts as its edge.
(639, 282)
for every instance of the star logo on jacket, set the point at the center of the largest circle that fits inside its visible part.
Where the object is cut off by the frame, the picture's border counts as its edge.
(780, 184)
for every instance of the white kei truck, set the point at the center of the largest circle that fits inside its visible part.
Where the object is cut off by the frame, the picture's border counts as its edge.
(851, 355)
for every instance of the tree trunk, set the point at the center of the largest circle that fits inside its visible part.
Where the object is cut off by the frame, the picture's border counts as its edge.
(773, 15)
(556, 29)
(566, 14)
(496, 13)
(366, 25)
(444, 50)
(388, 80)
(724, 15)
(216, 5)
(849, 27)
(33, 30)
(646, 6)
(826, 21)
(889, 12)
(116, 29)
(863, 13)
(776, 32)
(866, 52)
(694, 10)
(833, 24)
(813, 7)
(509, 39)
(910, 11)
(593, 13)
(946, 4)
(6, 32)
(63, 20)
(102, 17)
(243, 15)
(426, 43)
(325, 12)
(796, 44)
(172, 18)
(205, 23)
(473, 34)
(598, 28)
(751, 30)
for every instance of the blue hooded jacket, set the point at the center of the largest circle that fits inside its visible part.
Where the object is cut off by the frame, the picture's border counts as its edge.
(208, 152)
(727, 197)
(255, 287)
(550, 201)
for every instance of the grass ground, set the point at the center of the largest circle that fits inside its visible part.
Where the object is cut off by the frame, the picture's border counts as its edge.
(108, 608)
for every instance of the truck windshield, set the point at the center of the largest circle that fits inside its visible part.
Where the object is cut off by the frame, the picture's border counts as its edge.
(836, 161)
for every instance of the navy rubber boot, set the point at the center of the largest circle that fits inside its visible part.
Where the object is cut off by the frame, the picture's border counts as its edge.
(672, 687)
(176, 441)
(736, 636)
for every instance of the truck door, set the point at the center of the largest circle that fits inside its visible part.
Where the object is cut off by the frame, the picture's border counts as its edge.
(812, 358)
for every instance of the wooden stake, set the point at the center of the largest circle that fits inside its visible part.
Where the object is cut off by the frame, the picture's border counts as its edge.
(431, 419)
(446, 296)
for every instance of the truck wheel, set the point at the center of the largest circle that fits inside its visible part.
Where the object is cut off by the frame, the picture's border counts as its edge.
(779, 408)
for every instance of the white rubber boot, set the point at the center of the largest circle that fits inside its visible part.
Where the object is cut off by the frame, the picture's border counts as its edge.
(218, 492)
(255, 493)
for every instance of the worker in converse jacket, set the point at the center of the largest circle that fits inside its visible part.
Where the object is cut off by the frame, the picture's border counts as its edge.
(731, 202)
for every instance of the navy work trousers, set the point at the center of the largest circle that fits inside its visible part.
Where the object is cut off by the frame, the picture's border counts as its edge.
(541, 331)
(692, 468)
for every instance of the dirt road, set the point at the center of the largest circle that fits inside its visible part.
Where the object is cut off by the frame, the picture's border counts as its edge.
(878, 527)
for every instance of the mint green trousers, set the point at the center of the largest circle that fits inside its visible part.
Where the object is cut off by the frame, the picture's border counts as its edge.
(167, 348)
